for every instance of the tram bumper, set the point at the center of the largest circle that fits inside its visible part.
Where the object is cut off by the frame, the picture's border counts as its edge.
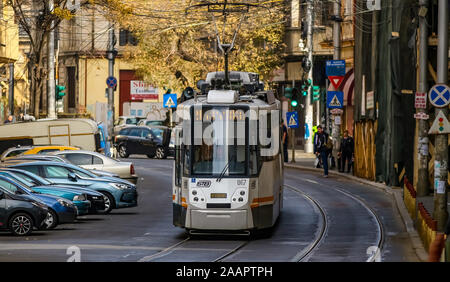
(219, 219)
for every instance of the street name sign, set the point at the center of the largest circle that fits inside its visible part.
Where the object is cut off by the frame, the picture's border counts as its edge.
(440, 125)
(170, 101)
(421, 116)
(336, 112)
(335, 99)
(439, 95)
(292, 118)
(335, 68)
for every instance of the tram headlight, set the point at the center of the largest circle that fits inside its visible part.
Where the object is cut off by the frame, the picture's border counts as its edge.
(196, 199)
(194, 192)
(242, 193)
(241, 199)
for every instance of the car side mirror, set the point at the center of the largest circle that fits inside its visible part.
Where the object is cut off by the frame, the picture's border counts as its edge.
(72, 176)
(149, 137)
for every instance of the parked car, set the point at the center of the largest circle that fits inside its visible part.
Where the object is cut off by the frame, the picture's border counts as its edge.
(94, 202)
(118, 193)
(151, 141)
(56, 158)
(19, 214)
(148, 122)
(60, 210)
(97, 162)
(78, 198)
(46, 149)
(124, 121)
(14, 151)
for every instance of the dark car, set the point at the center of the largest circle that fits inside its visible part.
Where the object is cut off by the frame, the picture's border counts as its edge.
(19, 215)
(151, 141)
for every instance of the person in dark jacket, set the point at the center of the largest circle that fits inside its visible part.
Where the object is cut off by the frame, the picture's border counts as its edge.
(320, 148)
(346, 152)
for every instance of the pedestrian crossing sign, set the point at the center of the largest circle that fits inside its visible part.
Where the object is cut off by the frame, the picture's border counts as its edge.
(292, 118)
(335, 99)
(170, 101)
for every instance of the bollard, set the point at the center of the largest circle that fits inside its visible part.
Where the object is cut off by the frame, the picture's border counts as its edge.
(436, 248)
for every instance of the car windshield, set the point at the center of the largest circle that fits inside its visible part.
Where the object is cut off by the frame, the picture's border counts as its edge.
(25, 181)
(34, 179)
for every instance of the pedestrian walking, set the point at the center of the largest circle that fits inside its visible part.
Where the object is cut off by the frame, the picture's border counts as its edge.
(9, 119)
(346, 152)
(321, 149)
(284, 139)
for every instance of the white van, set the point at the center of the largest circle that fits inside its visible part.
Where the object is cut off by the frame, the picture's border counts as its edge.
(82, 133)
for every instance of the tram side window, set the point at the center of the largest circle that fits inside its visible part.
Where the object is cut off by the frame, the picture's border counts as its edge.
(265, 158)
(187, 163)
(253, 160)
(178, 166)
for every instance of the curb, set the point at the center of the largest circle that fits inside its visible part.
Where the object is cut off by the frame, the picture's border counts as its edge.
(397, 194)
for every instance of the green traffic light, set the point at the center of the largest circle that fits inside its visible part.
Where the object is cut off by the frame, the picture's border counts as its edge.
(294, 103)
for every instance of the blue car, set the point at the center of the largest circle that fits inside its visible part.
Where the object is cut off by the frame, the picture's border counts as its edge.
(60, 210)
(78, 198)
(87, 200)
(119, 193)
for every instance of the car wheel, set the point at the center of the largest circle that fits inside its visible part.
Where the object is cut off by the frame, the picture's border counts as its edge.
(51, 221)
(109, 203)
(160, 153)
(123, 152)
(21, 224)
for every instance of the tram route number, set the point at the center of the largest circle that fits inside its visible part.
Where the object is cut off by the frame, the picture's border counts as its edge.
(225, 271)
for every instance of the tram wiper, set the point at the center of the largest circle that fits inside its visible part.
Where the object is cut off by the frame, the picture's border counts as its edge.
(222, 174)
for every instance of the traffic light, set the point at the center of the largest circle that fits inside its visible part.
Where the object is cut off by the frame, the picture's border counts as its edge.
(316, 93)
(288, 92)
(295, 97)
(60, 92)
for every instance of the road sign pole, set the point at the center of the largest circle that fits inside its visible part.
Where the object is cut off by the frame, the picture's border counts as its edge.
(440, 213)
(308, 103)
(111, 57)
(423, 181)
(336, 56)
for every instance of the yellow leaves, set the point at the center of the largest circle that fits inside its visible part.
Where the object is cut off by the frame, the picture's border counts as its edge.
(171, 40)
(62, 13)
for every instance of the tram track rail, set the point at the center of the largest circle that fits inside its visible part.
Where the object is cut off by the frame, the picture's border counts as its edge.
(306, 252)
(376, 255)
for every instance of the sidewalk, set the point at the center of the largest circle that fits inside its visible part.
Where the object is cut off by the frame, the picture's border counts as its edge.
(305, 161)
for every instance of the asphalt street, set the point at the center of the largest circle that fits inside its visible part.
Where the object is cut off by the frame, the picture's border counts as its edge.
(332, 219)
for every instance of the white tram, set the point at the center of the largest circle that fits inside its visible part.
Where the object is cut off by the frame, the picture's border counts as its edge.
(228, 172)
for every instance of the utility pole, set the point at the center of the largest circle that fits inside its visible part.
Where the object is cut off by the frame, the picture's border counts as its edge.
(292, 129)
(336, 131)
(11, 89)
(51, 99)
(422, 183)
(111, 58)
(441, 141)
(308, 103)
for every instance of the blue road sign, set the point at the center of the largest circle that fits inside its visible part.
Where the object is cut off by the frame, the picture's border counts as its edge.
(335, 68)
(170, 101)
(335, 99)
(111, 81)
(292, 119)
(439, 95)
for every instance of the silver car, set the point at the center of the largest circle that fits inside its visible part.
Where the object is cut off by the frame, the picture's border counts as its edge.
(96, 161)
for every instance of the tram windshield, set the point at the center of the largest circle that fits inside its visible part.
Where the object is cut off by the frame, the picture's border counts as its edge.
(224, 146)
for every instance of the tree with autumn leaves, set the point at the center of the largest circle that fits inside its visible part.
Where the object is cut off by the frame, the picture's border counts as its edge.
(178, 40)
(36, 20)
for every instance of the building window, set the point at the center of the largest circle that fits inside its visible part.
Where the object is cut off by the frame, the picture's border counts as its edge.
(71, 87)
(126, 37)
